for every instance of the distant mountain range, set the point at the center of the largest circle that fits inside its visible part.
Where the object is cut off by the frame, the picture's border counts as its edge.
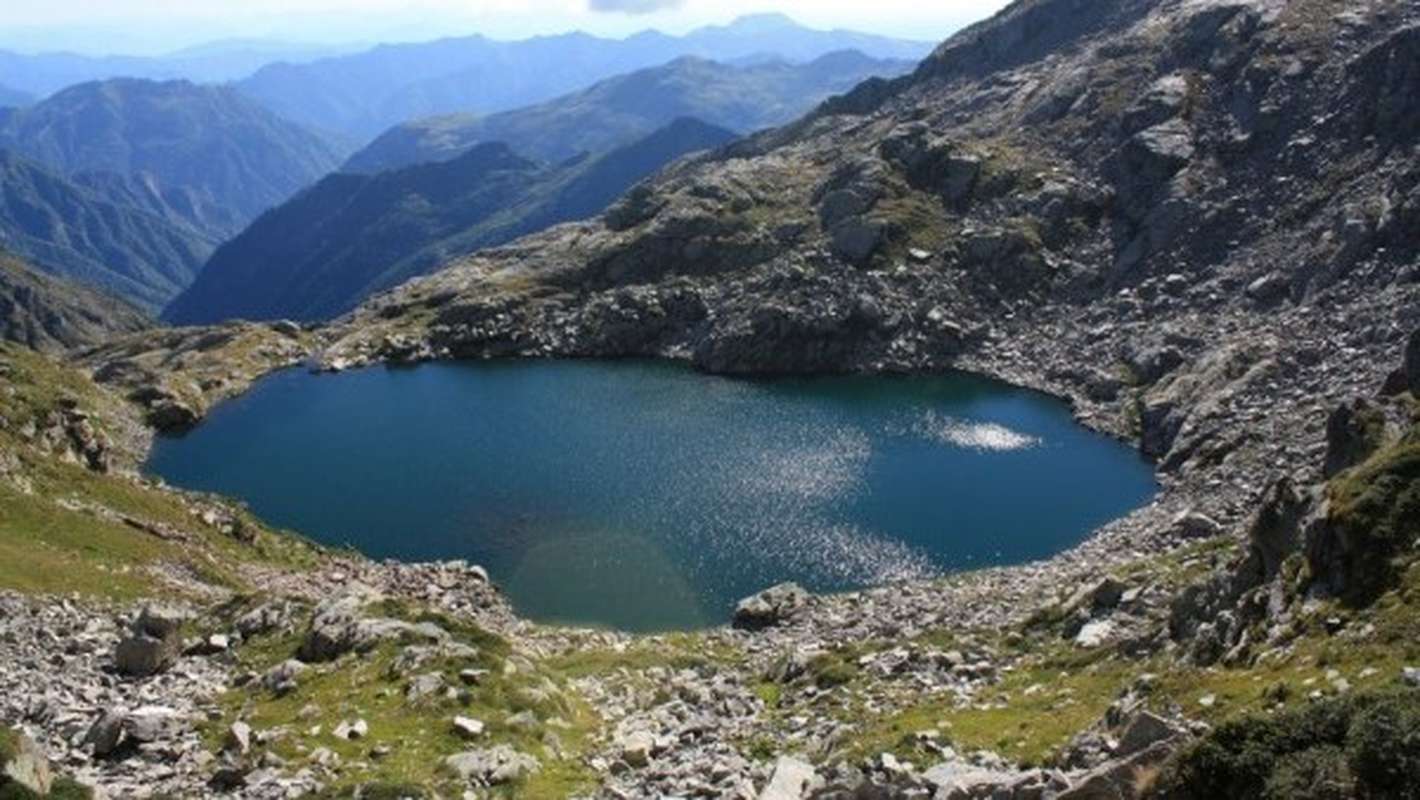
(623, 108)
(217, 62)
(350, 236)
(47, 313)
(215, 155)
(96, 233)
(14, 97)
(366, 93)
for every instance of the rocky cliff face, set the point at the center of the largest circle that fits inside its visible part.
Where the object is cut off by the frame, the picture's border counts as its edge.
(44, 313)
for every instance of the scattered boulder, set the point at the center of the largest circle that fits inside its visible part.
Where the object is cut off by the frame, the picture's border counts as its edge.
(154, 644)
(422, 686)
(339, 627)
(282, 678)
(238, 738)
(1144, 730)
(351, 731)
(104, 735)
(1119, 780)
(771, 607)
(1271, 288)
(1195, 525)
(152, 724)
(962, 779)
(22, 764)
(468, 728)
(792, 780)
(493, 766)
(1095, 633)
(636, 747)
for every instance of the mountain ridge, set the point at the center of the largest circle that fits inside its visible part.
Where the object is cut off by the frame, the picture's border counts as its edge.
(230, 156)
(351, 235)
(94, 234)
(49, 314)
(366, 94)
(617, 110)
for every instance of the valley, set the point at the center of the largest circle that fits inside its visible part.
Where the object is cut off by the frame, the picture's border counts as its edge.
(1176, 230)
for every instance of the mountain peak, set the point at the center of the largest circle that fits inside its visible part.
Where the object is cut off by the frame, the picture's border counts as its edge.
(762, 23)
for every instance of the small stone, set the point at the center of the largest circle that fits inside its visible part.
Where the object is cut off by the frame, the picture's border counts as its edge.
(152, 724)
(472, 677)
(791, 780)
(104, 735)
(238, 738)
(1208, 700)
(468, 728)
(636, 747)
(350, 731)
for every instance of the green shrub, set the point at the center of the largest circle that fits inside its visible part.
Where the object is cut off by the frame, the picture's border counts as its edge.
(1365, 746)
(1320, 773)
(1383, 747)
(831, 670)
(1375, 510)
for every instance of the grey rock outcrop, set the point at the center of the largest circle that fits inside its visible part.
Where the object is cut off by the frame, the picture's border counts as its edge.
(773, 606)
(340, 626)
(23, 765)
(156, 641)
(493, 766)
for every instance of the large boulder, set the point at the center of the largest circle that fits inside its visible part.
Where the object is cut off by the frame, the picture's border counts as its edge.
(22, 765)
(493, 766)
(771, 607)
(153, 645)
(1122, 779)
(792, 780)
(340, 626)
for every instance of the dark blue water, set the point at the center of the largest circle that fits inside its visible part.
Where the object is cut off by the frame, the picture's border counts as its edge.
(645, 496)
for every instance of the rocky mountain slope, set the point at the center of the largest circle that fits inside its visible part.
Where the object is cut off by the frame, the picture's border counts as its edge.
(361, 95)
(350, 236)
(625, 108)
(47, 314)
(112, 234)
(213, 155)
(1195, 220)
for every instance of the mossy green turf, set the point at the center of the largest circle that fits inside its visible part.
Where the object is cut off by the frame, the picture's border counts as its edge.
(1375, 507)
(64, 536)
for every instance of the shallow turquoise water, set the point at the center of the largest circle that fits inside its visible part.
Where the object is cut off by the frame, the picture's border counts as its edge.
(646, 496)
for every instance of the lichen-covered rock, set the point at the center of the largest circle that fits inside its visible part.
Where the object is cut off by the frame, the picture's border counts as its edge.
(493, 766)
(773, 606)
(23, 765)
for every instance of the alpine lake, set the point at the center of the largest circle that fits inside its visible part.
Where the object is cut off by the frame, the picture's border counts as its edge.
(645, 496)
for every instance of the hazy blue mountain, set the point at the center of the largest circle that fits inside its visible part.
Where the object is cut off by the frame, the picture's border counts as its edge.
(624, 108)
(80, 232)
(10, 98)
(47, 313)
(350, 236)
(43, 74)
(366, 93)
(211, 150)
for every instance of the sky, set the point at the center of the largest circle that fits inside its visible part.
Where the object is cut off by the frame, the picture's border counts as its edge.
(158, 26)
